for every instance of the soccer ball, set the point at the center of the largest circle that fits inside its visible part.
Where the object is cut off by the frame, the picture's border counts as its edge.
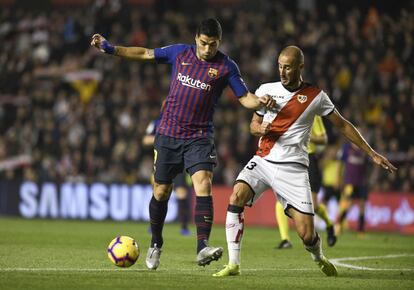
(123, 251)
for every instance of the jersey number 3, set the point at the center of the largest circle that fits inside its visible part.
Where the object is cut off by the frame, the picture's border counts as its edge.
(251, 165)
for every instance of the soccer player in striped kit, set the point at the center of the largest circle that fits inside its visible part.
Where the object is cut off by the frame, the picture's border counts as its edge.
(184, 137)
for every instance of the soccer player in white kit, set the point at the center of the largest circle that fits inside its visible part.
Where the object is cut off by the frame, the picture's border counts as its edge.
(281, 160)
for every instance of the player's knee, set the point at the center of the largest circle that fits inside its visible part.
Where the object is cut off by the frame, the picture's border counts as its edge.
(162, 191)
(308, 238)
(240, 196)
(202, 181)
(237, 199)
(203, 187)
(306, 233)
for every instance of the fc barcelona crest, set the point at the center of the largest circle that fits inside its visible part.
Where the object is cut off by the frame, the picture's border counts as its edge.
(212, 72)
(302, 98)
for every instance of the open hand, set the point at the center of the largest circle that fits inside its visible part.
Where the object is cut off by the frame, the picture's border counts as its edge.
(382, 161)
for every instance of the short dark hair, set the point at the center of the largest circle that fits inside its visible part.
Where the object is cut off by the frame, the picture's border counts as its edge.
(210, 27)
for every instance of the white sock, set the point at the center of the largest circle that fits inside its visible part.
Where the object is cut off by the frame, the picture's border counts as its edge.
(234, 234)
(316, 250)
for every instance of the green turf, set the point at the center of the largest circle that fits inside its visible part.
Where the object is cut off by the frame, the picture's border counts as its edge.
(41, 254)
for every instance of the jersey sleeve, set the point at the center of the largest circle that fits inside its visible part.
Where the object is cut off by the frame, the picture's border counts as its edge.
(259, 92)
(325, 105)
(235, 80)
(167, 54)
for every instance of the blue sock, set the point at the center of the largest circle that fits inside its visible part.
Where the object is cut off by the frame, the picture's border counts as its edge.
(158, 212)
(204, 220)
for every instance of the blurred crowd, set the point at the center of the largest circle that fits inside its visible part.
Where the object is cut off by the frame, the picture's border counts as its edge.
(70, 113)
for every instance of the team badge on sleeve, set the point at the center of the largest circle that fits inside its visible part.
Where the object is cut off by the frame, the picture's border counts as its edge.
(302, 98)
(212, 72)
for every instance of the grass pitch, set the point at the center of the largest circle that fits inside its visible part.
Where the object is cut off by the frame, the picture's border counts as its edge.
(56, 254)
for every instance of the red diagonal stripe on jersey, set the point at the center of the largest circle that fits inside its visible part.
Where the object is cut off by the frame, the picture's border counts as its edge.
(285, 118)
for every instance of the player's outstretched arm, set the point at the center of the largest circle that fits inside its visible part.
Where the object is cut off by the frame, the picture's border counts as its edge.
(353, 135)
(134, 53)
(252, 101)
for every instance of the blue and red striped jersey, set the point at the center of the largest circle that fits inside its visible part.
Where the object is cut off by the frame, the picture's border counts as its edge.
(195, 88)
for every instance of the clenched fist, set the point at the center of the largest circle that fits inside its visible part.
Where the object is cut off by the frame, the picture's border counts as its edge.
(102, 44)
(268, 102)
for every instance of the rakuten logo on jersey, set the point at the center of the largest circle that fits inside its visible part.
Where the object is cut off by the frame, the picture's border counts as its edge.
(192, 83)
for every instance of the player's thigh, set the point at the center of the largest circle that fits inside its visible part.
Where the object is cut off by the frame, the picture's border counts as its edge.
(168, 158)
(291, 183)
(255, 175)
(199, 154)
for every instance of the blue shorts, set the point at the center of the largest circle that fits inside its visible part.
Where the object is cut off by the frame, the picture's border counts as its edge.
(173, 155)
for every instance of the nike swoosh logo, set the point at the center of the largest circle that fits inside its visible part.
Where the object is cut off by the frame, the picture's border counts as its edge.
(186, 63)
(212, 156)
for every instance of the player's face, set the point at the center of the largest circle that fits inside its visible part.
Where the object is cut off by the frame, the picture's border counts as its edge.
(289, 71)
(206, 46)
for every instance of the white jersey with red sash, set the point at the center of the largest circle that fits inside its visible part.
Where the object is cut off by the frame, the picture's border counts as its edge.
(291, 121)
(281, 160)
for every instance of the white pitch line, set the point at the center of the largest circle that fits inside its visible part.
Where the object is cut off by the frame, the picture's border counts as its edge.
(139, 270)
(64, 269)
(336, 261)
(350, 266)
(373, 257)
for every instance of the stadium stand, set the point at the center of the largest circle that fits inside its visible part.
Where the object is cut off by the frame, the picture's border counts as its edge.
(67, 113)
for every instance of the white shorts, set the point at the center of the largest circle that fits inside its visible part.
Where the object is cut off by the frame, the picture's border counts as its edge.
(289, 182)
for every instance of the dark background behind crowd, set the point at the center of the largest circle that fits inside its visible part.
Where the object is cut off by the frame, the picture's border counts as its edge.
(70, 113)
